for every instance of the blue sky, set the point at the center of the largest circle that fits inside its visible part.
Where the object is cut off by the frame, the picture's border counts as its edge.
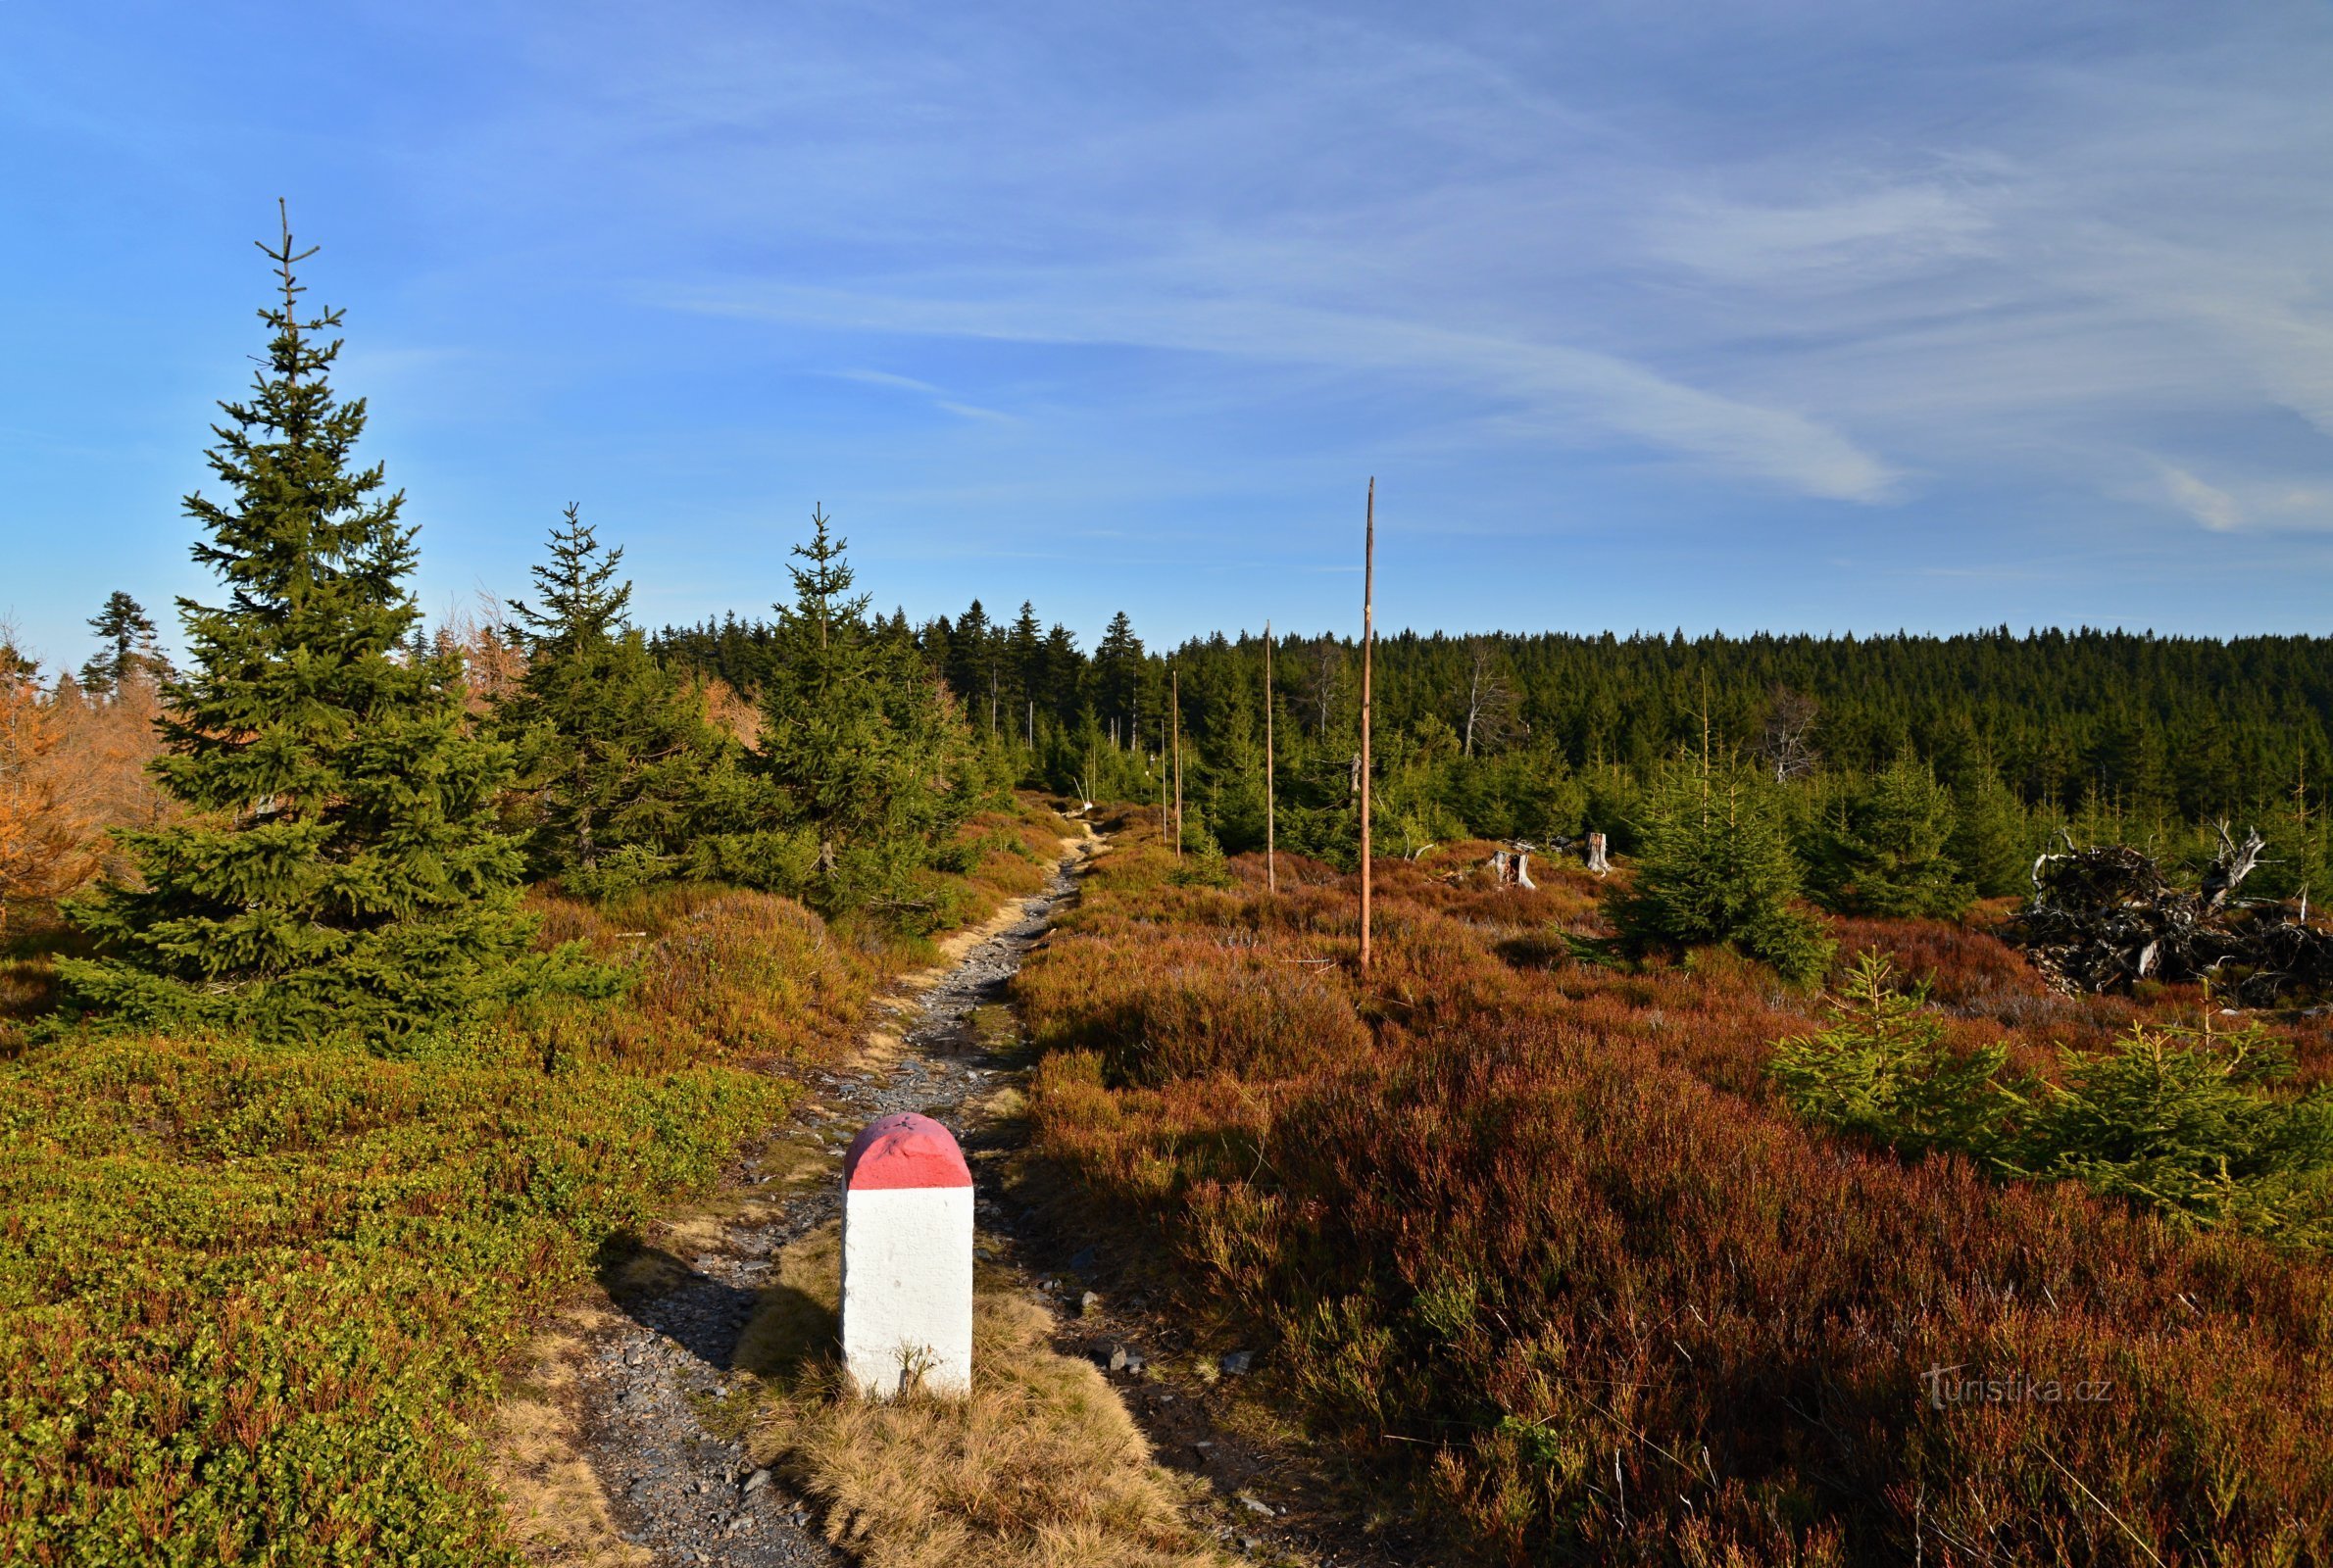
(1785, 316)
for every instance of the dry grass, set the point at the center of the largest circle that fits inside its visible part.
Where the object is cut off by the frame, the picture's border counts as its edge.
(1039, 1467)
(552, 1501)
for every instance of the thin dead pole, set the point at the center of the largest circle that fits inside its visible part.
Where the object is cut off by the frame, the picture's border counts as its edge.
(1271, 864)
(1175, 679)
(1369, 596)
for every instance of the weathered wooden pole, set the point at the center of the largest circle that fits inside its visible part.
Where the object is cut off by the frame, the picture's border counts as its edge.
(1175, 679)
(1368, 595)
(907, 1260)
(1271, 864)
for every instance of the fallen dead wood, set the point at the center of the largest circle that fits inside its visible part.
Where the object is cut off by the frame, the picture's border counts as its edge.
(2105, 917)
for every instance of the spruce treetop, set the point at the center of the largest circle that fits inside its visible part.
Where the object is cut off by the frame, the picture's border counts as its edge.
(819, 587)
(310, 533)
(581, 601)
(127, 632)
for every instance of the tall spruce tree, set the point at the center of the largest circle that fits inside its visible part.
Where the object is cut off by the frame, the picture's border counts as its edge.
(128, 634)
(974, 666)
(1025, 648)
(1118, 680)
(1715, 866)
(859, 738)
(1889, 854)
(625, 772)
(343, 867)
(1991, 843)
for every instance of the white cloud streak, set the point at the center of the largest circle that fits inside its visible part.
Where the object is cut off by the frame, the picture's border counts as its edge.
(1565, 392)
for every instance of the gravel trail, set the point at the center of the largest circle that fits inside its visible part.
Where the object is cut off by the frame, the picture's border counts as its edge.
(678, 1490)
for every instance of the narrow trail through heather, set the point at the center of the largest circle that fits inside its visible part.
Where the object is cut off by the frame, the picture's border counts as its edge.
(646, 1377)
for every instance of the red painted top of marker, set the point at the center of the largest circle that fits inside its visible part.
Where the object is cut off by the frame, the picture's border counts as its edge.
(903, 1151)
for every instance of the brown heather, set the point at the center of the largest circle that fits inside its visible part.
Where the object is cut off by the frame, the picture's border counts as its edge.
(1538, 1234)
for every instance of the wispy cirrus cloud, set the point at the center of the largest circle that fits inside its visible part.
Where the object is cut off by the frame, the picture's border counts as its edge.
(1560, 391)
(936, 396)
(2250, 504)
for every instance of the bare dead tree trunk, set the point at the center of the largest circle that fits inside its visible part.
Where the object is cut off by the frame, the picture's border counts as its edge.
(1271, 863)
(1368, 595)
(1325, 684)
(1490, 715)
(1474, 704)
(1786, 742)
(1175, 676)
(2234, 863)
(1596, 858)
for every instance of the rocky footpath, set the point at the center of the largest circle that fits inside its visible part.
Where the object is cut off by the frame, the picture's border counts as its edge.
(659, 1397)
(653, 1400)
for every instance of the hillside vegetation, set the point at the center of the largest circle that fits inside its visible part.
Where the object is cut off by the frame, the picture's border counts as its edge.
(1539, 1229)
(254, 1296)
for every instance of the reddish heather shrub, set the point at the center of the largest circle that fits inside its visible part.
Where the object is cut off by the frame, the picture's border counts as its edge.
(1541, 1222)
(1180, 1007)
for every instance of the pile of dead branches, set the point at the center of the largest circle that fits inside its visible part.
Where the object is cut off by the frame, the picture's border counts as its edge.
(2106, 917)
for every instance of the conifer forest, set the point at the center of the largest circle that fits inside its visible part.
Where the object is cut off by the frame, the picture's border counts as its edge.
(1430, 1094)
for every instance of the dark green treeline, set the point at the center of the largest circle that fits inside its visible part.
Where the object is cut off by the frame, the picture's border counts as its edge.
(2111, 734)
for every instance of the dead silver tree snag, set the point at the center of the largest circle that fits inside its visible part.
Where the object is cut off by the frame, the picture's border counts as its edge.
(1329, 683)
(1490, 697)
(1786, 739)
(2230, 866)
(1597, 862)
(1510, 866)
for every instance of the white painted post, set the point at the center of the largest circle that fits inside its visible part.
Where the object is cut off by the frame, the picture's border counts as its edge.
(907, 1258)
